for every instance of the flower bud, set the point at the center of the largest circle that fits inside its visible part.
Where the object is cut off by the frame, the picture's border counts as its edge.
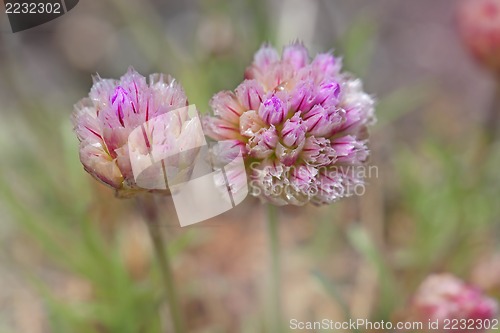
(296, 55)
(320, 122)
(349, 150)
(273, 110)
(288, 155)
(318, 151)
(225, 104)
(250, 94)
(250, 123)
(263, 143)
(328, 94)
(294, 131)
(221, 129)
(330, 186)
(263, 60)
(326, 65)
(302, 98)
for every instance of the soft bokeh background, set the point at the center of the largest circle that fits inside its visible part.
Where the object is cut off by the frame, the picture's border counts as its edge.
(75, 259)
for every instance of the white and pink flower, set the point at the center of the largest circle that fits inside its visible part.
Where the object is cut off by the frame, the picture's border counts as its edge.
(299, 123)
(108, 119)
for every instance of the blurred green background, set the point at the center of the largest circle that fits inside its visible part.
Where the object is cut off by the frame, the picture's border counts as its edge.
(75, 259)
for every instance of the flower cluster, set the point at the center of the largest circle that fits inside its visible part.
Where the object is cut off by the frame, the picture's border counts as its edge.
(442, 298)
(114, 109)
(299, 124)
(479, 24)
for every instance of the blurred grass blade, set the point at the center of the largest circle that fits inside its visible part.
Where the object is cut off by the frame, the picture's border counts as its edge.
(333, 291)
(358, 44)
(361, 241)
(402, 101)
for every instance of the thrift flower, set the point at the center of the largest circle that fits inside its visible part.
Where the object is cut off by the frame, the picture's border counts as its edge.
(479, 25)
(300, 124)
(444, 297)
(105, 122)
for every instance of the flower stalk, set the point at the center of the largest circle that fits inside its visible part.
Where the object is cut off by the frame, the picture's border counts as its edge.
(491, 125)
(489, 131)
(149, 211)
(275, 283)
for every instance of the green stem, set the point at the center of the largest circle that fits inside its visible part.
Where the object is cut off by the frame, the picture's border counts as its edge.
(272, 228)
(150, 212)
(486, 141)
(494, 115)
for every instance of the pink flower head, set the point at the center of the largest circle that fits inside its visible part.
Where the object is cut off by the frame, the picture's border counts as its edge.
(479, 25)
(105, 120)
(443, 296)
(301, 125)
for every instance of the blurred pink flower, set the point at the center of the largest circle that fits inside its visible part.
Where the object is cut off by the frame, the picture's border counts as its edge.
(479, 25)
(301, 126)
(443, 296)
(104, 121)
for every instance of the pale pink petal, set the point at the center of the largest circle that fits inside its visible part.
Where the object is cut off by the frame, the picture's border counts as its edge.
(296, 55)
(225, 104)
(100, 165)
(250, 94)
(250, 123)
(220, 129)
